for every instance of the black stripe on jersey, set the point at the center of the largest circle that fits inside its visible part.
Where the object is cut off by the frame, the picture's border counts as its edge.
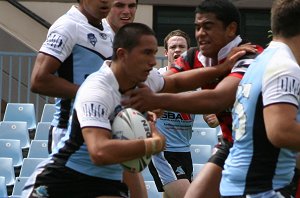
(65, 71)
(263, 164)
(71, 145)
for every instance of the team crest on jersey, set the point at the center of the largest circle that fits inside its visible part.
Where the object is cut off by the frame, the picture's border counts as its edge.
(92, 39)
(55, 42)
(103, 36)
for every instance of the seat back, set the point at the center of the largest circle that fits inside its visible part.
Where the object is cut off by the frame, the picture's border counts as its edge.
(196, 169)
(38, 149)
(18, 187)
(200, 153)
(152, 190)
(203, 135)
(21, 112)
(147, 175)
(11, 148)
(15, 130)
(42, 131)
(29, 165)
(3, 189)
(7, 170)
(48, 112)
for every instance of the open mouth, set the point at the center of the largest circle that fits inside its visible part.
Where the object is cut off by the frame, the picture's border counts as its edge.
(176, 56)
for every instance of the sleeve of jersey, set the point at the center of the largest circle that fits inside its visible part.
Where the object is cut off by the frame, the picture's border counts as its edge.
(93, 106)
(60, 40)
(181, 64)
(155, 80)
(242, 65)
(281, 84)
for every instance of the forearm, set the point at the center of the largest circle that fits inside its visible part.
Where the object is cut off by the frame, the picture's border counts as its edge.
(197, 102)
(193, 79)
(54, 87)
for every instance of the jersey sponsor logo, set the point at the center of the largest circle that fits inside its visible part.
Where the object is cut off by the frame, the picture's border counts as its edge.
(103, 36)
(94, 111)
(177, 116)
(289, 84)
(92, 39)
(56, 42)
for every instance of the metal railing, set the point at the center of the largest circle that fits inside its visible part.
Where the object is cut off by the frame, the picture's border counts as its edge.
(15, 72)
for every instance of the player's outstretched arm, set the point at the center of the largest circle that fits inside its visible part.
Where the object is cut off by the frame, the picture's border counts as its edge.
(197, 102)
(195, 78)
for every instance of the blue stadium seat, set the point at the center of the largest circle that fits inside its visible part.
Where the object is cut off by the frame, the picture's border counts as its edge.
(204, 136)
(3, 189)
(48, 112)
(147, 175)
(7, 170)
(18, 187)
(38, 149)
(152, 190)
(11, 148)
(15, 130)
(29, 165)
(42, 131)
(199, 122)
(200, 153)
(21, 112)
(196, 169)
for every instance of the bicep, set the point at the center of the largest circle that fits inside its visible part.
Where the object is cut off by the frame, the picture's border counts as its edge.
(278, 118)
(95, 138)
(45, 64)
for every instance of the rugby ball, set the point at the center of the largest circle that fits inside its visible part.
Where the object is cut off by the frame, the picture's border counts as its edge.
(130, 124)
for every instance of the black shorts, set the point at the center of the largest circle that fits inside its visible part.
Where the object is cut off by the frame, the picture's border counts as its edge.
(181, 163)
(221, 152)
(66, 182)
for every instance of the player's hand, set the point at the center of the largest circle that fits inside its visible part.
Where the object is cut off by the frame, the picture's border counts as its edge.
(156, 143)
(158, 112)
(140, 99)
(151, 116)
(236, 53)
(211, 120)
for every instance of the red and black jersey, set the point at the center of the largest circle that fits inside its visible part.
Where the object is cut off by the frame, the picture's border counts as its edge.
(193, 58)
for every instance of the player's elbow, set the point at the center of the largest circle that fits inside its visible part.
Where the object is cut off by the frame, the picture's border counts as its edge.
(277, 140)
(100, 158)
(36, 84)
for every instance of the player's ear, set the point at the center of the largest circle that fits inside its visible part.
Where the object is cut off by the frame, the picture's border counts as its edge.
(232, 29)
(166, 53)
(121, 53)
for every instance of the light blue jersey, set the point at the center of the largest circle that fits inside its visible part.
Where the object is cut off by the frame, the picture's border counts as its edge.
(81, 48)
(97, 102)
(177, 128)
(254, 165)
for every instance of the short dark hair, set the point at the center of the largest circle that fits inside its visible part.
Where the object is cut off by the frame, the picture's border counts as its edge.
(224, 10)
(129, 35)
(285, 16)
(177, 33)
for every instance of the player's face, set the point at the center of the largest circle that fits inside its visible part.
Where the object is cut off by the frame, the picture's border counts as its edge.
(141, 59)
(96, 9)
(211, 34)
(121, 13)
(176, 46)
